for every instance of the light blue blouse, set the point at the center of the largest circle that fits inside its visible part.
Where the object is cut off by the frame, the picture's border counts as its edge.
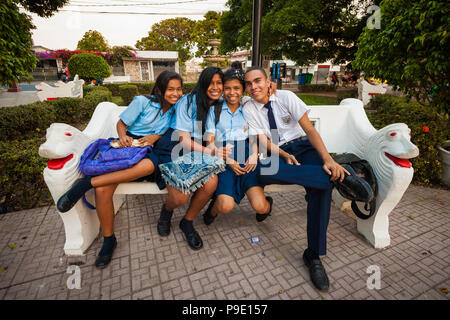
(230, 127)
(144, 117)
(186, 120)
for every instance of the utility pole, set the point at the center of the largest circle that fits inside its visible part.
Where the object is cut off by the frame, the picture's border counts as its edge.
(256, 33)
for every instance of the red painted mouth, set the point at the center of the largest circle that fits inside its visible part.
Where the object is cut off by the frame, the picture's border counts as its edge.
(404, 163)
(58, 164)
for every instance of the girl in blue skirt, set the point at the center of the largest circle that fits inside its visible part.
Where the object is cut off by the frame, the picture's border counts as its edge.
(226, 126)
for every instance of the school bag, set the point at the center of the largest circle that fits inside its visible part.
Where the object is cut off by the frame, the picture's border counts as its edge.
(100, 157)
(363, 170)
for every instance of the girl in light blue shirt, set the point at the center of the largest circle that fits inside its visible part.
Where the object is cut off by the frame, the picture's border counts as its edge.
(145, 119)
(187, 128)
(240, 177)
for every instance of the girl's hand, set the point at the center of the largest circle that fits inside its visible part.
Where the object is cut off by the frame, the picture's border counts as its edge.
(234, 165)
(125, 141)
(251, 163)
(146, 139)
(290, 159)
(223, 152)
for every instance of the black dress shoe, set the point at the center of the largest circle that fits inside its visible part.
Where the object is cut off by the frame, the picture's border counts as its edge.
(208, 218)
(317, 272)
(103, 261)
(262, 216)
(354, 187)
(193, 239)
(64, 204)
(163, 227)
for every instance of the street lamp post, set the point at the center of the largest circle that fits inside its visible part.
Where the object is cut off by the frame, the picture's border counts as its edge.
(256, 33)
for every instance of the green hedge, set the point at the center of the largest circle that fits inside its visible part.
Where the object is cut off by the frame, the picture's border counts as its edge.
(30, 121)
(344, 94)
(21, 178)
(143, 87)
(428, 131)
(128, 92)
(315, 87)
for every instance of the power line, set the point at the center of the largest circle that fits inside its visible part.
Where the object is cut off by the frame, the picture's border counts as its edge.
(134, 4)
(145, 13)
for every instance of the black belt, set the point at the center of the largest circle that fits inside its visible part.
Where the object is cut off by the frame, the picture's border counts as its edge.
(303, 138)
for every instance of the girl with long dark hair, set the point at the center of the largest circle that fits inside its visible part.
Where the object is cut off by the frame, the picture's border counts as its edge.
(187, 128)
(145, 119)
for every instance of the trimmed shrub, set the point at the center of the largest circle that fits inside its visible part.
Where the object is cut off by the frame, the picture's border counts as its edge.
(114, 88)
(188, 87)
(88, 66)
(31, 121)
(315, 87)
(344, 94)
(428, 130)
(143, 87)
(26, 121)
(21, 178)
(128, 92)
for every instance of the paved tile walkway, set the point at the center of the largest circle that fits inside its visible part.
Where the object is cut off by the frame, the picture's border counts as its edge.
(145, 266)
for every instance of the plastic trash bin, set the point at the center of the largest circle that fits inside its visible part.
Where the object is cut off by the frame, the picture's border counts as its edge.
(309, 77)
(302, 78)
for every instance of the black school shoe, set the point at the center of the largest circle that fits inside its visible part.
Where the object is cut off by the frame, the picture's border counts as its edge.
(102, 261)
(208, 218)
(260, 217)
(354, 187)
(163, 226)
(64, 204)
(317, 272)
(193, 239)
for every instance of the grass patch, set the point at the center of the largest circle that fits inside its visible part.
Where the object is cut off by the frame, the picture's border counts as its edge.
(313, 100)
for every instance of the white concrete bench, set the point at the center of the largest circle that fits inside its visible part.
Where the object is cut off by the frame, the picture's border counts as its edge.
(367, 90)
(72, 89)
(344, 128)
(116, 79)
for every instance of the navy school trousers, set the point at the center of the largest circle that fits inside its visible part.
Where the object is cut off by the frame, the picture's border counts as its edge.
(316, 181)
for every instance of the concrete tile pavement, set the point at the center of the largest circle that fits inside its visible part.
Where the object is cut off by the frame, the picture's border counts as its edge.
(145, 266)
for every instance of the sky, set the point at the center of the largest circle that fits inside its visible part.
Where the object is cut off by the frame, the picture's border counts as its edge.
(132, 20)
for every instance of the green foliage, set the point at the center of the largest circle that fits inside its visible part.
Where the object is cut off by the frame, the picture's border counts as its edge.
(30, 121)
(88, 66)
(43, 8)
(93, 41)
(204, 30)
(188, 87)
(117, 53)
(344, 94)
(307, 31)
(170, 35)
(143, 87)
(315, 87)
(391, 109)
(128, 92)
(16, 58)
(21, 178)
(410, 50)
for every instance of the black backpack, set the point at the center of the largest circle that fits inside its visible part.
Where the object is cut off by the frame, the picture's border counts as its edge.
(363, 170)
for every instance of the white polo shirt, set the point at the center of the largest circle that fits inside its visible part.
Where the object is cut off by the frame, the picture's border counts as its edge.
(287, 110)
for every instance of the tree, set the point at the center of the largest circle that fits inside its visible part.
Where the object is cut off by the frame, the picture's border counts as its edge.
(16, 58)
(204, 30)
(93, 41)
(170, 35)
(410, 50)
(88, 66)
(305, 31)
(117, 54)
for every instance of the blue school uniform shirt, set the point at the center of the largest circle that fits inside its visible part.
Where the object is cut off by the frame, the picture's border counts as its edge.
(230, 127)
(143, 117)
(186, 120)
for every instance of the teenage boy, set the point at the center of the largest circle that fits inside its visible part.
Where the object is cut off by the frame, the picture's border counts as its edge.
(283, 128)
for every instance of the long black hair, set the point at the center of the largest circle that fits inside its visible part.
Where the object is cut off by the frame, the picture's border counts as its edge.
(200, 89)
(161, 83)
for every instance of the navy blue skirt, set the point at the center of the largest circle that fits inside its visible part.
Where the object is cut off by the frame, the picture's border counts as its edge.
(233, 185)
